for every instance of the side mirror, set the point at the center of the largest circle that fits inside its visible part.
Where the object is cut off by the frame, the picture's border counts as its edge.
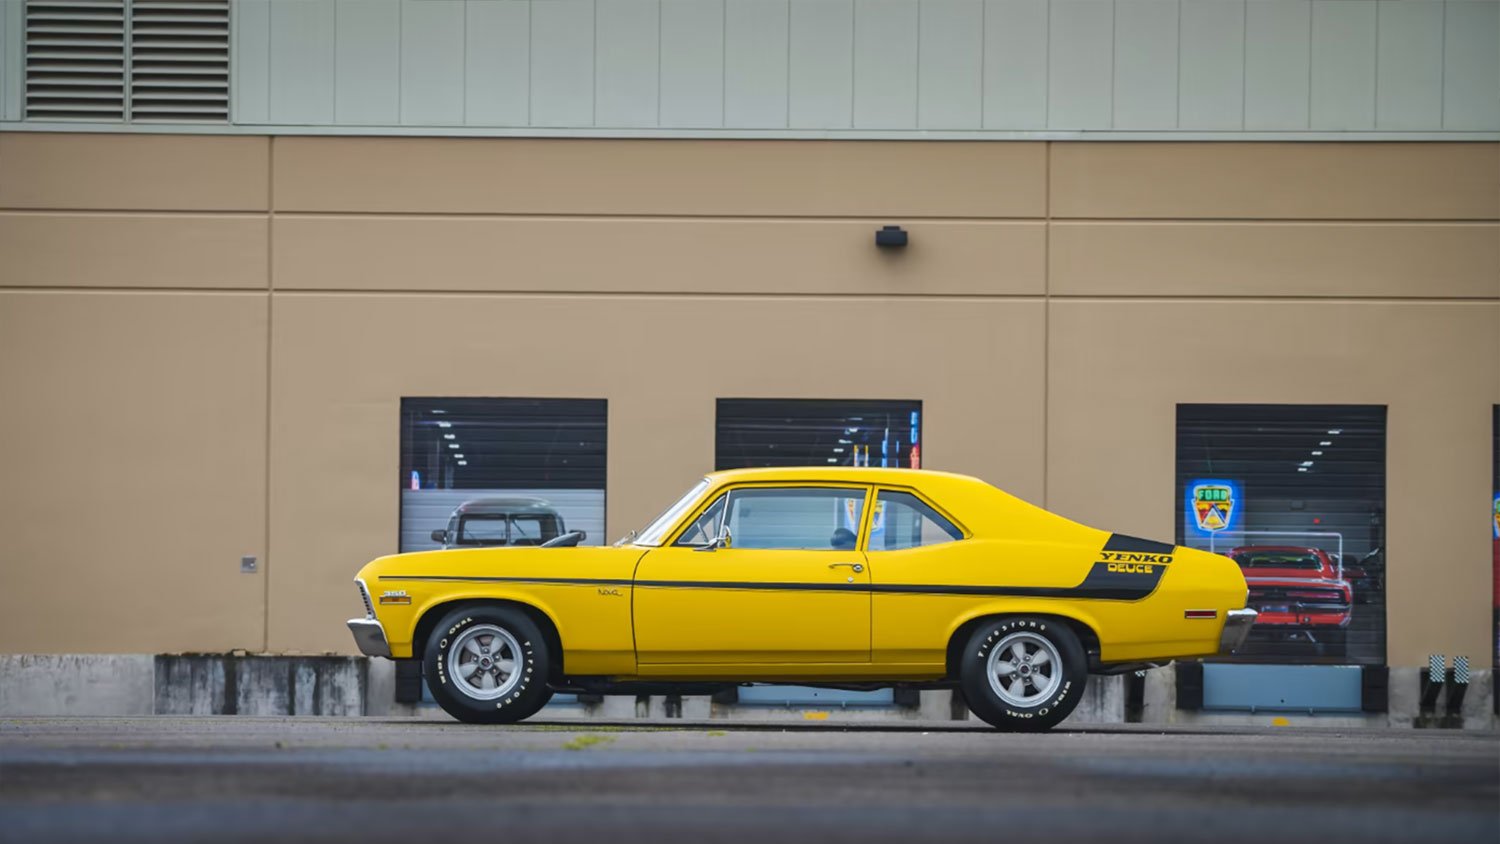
(440, 536)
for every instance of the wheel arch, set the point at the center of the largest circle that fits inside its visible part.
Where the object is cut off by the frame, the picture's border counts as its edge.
(1085, 632)
(430, 616)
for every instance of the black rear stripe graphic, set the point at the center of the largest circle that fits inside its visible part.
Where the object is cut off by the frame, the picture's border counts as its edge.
(1121, 542)
(1100, 584)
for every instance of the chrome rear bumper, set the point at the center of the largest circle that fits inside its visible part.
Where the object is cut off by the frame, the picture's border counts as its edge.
(370, 636)
(1236, 628)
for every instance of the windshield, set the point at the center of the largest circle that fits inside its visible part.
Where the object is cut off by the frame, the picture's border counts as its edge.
(655, 533)
(482, 529)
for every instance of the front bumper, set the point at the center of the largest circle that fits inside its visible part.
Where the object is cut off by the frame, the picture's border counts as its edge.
(1236, 627)
(369, 634)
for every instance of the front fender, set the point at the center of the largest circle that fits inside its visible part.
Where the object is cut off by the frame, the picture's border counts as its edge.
(584, 592)
(403, 637)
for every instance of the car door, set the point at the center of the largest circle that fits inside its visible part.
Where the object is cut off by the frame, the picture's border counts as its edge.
(910, 545)
(790, 588)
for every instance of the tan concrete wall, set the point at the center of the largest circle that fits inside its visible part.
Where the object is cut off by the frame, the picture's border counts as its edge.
(1041, 314)
(134, 455)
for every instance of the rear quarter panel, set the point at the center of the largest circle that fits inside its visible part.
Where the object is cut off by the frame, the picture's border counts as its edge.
(912, 629)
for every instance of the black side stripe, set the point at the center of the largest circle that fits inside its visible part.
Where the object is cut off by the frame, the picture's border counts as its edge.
(1100, 584)
(549, 581)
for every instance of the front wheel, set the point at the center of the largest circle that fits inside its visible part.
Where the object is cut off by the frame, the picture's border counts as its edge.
(1023, 673)
(487, 665)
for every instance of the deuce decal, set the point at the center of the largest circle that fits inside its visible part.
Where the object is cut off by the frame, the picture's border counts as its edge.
(1120, 581)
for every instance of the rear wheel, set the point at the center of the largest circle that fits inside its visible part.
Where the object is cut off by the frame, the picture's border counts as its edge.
(487, 665)
(1023, 673)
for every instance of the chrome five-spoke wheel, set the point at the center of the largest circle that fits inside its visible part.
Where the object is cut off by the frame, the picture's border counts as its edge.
(485, 662)
(1024, 669)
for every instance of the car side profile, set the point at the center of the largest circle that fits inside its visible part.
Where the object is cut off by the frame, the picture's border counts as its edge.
(855, 578)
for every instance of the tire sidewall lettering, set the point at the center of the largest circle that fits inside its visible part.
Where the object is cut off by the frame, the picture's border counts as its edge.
(989, 638)
(528, 653)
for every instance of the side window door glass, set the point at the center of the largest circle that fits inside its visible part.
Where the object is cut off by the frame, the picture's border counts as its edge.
(704, 528)
(796, 518)
(902, 520)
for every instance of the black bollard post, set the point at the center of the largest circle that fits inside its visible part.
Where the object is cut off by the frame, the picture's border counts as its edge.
(1432, 686)
(1458, 686)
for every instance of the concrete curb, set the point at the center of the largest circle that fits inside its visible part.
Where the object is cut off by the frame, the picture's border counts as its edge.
(248, 684)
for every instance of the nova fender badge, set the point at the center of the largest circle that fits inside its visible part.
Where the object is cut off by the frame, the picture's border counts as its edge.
(614, 593)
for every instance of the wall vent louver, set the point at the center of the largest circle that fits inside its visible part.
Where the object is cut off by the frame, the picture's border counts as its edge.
(179, 60)
(75, 60)
(164, 61)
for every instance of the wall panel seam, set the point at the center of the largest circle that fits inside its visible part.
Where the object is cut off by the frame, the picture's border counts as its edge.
(265, 568)
(1047, 313)
(1277, 221)
(126, 213)
(626, 217)
(891, 297)
(649, 294)
(1311, 38)
(1374, 74)
(1443, 70)
(984, 53)
(397, 130)
(1039, 219)
(45, 289)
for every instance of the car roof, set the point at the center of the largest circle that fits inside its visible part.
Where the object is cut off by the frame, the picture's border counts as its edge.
(1296, 549)
(980, 507)
(846, 474)
(505, 505)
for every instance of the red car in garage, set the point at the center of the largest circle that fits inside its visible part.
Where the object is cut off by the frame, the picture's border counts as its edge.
(1297, 591)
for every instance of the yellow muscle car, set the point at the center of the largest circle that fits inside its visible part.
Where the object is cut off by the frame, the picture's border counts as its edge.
(852, 578)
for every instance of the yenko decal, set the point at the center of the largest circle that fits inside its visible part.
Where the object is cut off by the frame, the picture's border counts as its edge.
(1115, 557)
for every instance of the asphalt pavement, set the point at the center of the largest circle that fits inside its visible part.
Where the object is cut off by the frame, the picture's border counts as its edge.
(372, 780)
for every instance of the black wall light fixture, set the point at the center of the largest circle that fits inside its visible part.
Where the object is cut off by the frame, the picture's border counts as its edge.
(891, 237)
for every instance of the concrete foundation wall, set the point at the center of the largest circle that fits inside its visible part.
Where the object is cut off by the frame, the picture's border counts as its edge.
(214, 684)
(142, 684)
(230, 685)
(77, 684)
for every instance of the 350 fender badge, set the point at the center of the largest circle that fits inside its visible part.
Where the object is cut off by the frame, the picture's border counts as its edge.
(395, 596)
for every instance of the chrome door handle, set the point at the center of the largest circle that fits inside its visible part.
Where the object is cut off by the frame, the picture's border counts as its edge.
(858, 567)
